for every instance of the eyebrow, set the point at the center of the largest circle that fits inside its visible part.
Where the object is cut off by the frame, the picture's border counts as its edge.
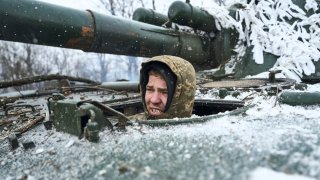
(163, 89)
(160, 89)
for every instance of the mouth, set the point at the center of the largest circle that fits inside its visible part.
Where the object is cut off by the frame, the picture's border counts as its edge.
(155, 112)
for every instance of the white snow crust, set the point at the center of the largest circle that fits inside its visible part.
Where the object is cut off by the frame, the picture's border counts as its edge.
(278, 27)
(266, 174)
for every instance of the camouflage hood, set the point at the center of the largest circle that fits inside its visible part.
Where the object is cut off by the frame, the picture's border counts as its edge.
(183, 93)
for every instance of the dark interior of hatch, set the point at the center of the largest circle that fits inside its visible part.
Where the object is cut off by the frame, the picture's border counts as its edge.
(202, 107)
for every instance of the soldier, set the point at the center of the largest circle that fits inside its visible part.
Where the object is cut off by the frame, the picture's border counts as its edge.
(167, 86)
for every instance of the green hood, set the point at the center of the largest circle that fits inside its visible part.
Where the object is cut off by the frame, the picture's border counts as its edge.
(183, 96)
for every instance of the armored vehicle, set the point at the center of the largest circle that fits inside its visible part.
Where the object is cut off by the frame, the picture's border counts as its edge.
(241, 128)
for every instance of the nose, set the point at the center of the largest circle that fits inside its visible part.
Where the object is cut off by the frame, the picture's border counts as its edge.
(155, 99)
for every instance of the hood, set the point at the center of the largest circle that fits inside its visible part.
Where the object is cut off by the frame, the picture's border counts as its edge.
(183, 95)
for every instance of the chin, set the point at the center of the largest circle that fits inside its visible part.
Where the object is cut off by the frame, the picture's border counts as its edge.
(156, 115)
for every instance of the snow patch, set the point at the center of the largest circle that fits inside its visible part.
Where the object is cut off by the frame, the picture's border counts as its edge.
(278, 27)
(261, 173)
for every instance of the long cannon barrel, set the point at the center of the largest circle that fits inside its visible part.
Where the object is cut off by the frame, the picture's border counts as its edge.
(42, 23)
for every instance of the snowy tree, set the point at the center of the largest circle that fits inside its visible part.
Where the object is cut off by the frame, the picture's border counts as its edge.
(21, 60)
(123, 8)
(103, 63)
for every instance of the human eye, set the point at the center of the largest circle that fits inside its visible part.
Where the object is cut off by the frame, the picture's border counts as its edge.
(149, 89)
(164, 91)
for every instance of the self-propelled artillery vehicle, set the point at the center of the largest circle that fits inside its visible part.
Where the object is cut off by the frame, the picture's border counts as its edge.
(149, 34)
(86, 108)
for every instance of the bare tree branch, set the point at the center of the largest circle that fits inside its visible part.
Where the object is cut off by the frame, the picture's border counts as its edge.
(153, 5)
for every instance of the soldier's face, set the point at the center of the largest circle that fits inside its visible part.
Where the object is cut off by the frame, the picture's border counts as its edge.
(156, 95)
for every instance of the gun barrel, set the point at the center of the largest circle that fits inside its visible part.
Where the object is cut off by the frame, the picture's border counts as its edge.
(36, 22)
(42, 23)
